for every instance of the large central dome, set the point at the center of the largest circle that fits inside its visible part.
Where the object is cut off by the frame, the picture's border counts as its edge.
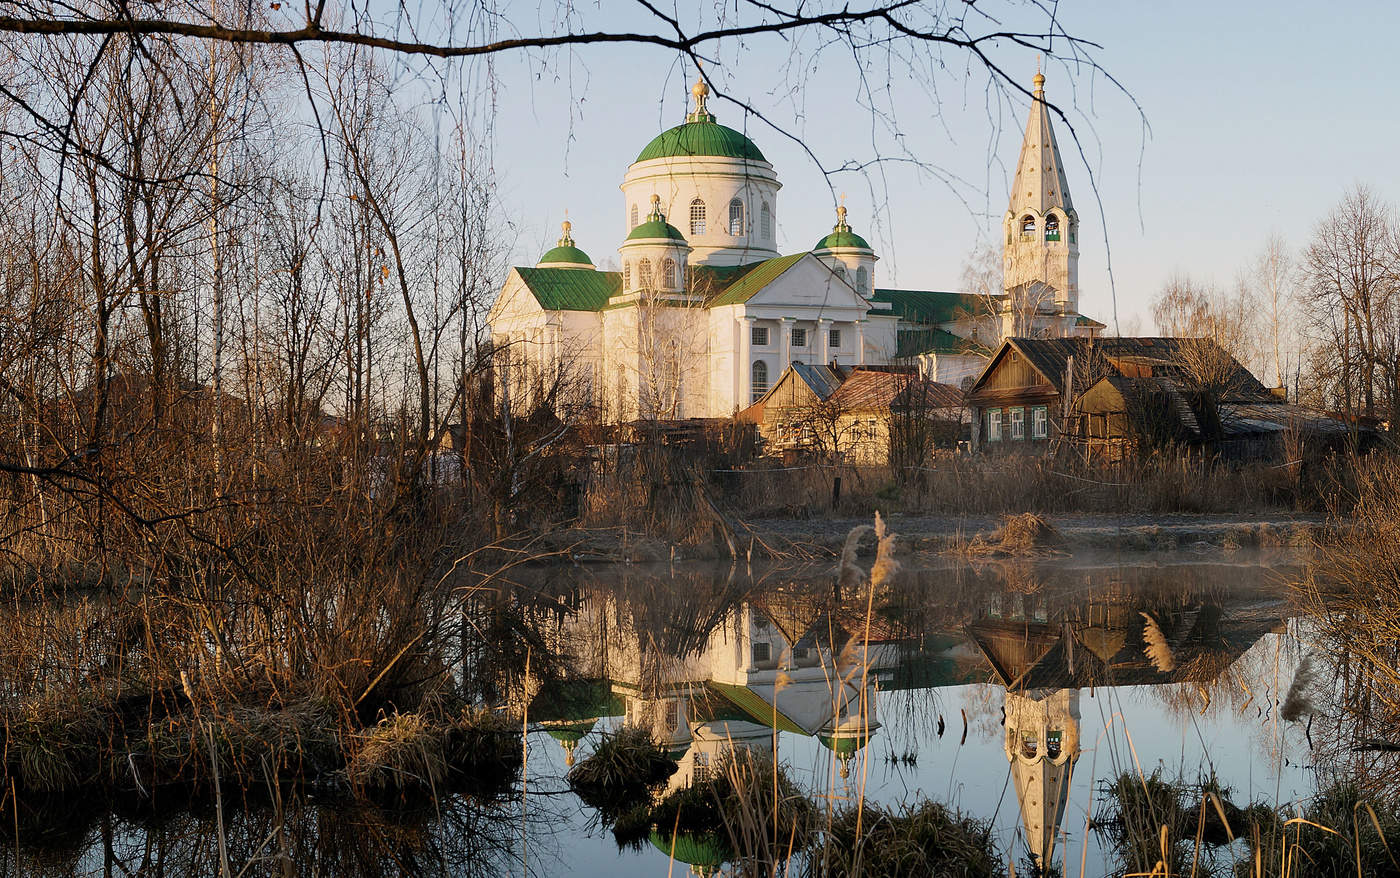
(704, 138)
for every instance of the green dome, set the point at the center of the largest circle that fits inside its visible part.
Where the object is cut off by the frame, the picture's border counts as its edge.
(656, 228)
(565, 254)
(701, 138)
(706, 850)
(842, 239)
(844, 746)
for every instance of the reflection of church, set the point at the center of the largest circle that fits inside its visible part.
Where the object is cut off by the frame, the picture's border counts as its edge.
(704, 314)
(789, 665)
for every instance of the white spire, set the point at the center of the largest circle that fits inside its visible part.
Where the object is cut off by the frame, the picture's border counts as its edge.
(1039, 183)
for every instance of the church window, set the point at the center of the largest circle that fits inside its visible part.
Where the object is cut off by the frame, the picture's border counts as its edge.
(765, 221)
(799, 338)
(627, 275)
(697, 217)
(862, 280)
(1040, 422)
(736, 217)
(644, 274)
(1052, 228)
(762, 652)
(760, 379)
(834, 338)
(668, 274)
(634, 217)
(1027, 227)
(841, 271)
(758, 336)
(1053, 743)
(1018, 422)
(1029, 744)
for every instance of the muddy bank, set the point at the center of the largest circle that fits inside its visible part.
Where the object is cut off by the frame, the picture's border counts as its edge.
(823, 538)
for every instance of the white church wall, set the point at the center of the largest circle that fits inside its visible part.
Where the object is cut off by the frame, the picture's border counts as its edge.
(716, 182)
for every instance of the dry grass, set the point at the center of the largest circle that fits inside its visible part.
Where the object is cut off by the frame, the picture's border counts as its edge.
(923, 839)
(621, 773)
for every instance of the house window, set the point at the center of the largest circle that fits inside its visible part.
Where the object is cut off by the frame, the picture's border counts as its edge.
(1040, 422)
(697, 217)
(762, 652)
(634, 216)
(758, 336)
(668, 274)
(799, 338)
(760, 379)
(993, 425)
(1018, 422)
(833, 338)
(765, 221)
(862, 280)
(644, 274)
(736, 217)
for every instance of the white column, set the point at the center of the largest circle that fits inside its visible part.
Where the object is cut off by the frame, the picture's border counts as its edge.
(860, 342)
(823, 341)
(785, 344)
(743, 368)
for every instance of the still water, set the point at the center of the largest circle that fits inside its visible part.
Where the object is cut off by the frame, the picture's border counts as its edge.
(1012, 690)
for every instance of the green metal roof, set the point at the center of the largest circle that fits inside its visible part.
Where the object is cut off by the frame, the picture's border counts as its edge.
(568, 289)
(760, 711)
(913, 342)
(754, 279)
(845, 745)
(842, 239)
(566, 254)
(704, 138)
(656, 228)
(931, 306)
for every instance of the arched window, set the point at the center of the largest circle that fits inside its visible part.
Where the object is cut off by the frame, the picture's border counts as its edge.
(1052, 227)
(841, 270)
(697, 217)
(634, 216)
(1027, 226)
(760, 379)
(862, 281)
(736, 217)
(765, 221)
(668, 274)
(627, 275)
(644, 274)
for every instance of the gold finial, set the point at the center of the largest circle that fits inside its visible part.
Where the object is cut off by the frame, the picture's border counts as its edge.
(1039, 79)
(655, 200)
(700, 90)
(656, 213)
(566, 239)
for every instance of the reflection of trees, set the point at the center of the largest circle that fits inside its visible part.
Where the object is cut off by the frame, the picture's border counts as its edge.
(458, 836)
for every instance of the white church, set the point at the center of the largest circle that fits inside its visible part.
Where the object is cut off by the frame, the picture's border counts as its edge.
(706, 313)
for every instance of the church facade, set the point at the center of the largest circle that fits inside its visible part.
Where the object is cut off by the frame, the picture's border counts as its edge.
(705, 313)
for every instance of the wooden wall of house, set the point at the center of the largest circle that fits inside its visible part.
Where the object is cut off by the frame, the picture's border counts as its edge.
(1014, 371)
(791, 393)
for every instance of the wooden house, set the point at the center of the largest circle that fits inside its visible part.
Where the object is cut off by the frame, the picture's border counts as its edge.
(847, 411)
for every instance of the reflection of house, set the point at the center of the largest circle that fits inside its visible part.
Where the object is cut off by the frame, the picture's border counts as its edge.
(851, 412)
(1130, 393)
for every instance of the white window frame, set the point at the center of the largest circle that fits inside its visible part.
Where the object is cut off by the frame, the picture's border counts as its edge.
(862, 281)
(1040, 422)
(697, 217)
(758, 336)
(993, 425)
(799, 337)
(765, 215)
(833, 338)
(1016, 415)
(736, 218)
(757, 389)
(633, 217)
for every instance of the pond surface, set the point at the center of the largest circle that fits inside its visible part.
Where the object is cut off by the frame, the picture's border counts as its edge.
(1012, 690)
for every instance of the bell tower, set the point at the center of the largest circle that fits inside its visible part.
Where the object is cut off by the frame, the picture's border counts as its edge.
(1041, 229)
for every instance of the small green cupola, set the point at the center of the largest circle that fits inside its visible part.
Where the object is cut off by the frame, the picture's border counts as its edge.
(848, 254)
(654, 256)
(565, 254)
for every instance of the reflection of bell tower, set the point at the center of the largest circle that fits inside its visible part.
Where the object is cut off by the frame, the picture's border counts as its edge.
(1042, 744)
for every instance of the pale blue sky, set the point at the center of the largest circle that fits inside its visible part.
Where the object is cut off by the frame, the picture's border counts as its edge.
(1260, 114)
